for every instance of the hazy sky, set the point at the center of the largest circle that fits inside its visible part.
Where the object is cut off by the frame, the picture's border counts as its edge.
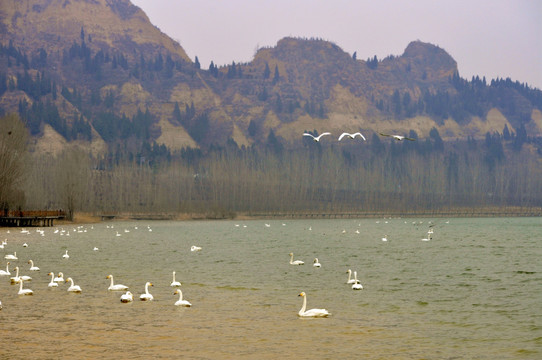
(491, 38)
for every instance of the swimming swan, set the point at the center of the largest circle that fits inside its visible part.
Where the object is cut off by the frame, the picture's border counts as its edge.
(311, 312)
(147, 295)
(357, 285)
(316, 263)
(297, 262)
(60, 277)
(11, 256)
(73, 288)
(175, 283)
(24, 291)
(52, 283)
(350, 280)
(32, 267)
(5, 273)
(195, 248)
(181, 302)
(66, 256)
(16, 279)
(127, 297)
(117, 287)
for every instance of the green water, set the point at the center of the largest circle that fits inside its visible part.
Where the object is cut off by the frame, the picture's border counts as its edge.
(474, 291)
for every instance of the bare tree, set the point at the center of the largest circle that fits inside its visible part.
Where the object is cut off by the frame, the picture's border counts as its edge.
(72, 179)
(13, 152)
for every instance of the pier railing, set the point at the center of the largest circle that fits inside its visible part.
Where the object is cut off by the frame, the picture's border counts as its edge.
(19, 218)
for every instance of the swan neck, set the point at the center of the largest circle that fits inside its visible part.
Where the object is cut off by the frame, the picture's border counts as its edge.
(111, 280)
(304, 305)
(180, 295)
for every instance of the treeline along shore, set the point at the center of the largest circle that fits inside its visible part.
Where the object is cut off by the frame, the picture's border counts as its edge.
(364, 179)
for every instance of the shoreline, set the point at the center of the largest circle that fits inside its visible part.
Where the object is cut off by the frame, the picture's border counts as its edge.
(82, 217)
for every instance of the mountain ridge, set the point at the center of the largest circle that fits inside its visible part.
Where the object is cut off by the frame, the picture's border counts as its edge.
(114, 78)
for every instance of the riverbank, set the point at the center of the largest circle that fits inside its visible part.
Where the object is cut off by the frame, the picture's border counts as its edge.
(82, 217)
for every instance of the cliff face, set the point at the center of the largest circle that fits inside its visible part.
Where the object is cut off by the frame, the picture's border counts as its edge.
(111, 76)
(114, 25)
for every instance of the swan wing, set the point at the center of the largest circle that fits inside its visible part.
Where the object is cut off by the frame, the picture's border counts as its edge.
(315, 313)
(310, 135)
(343, 135)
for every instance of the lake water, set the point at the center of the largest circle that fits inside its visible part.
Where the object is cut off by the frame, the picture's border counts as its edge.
(474, 291)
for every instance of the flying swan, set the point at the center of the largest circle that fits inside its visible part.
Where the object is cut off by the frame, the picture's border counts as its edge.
(297, 262)
(316, 138)
(311, 312)
(351, 136)
(117, 287)
(146, 296)
(181, 302)
(398, 137)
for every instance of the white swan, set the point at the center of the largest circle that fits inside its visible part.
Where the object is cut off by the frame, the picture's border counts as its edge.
(16, 279)
(350, 280)
(351, 136)
(73, 288)
(127, 297)
(297, 262)
(52, 283)
(385, 238)
(175, 283)
(317, 138)
(60, 277)
(428, 237)
(398, 137)
(95, 248)
(195, 248)
(316, 263)
(32, 267)
(6, 272)
(311, 312)
(357, 285)
(117, 287)
(66, 256)
(24, 291)
(11, 256)
(181, 302)
(146, 296)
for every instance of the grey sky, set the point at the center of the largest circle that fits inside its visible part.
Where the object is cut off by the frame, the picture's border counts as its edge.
(491, 38)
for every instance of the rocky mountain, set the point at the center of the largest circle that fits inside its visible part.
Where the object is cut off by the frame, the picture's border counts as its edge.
(97, 73)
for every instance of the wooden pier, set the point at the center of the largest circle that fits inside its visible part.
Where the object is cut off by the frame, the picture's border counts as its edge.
(43, 218)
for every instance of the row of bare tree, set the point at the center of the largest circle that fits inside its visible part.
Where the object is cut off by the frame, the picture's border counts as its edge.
(307, 180)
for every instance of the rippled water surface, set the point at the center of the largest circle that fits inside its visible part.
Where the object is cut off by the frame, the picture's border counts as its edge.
(473, 291)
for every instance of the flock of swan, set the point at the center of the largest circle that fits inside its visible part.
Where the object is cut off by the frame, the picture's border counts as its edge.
(128, 296)
(74, 288)
(353, 136)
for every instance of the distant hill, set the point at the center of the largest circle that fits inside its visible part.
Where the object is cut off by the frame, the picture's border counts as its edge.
(99, 74)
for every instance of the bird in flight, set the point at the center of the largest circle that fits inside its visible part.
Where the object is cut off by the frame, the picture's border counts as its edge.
(317, 138)
(398, 137)
(351, 136)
